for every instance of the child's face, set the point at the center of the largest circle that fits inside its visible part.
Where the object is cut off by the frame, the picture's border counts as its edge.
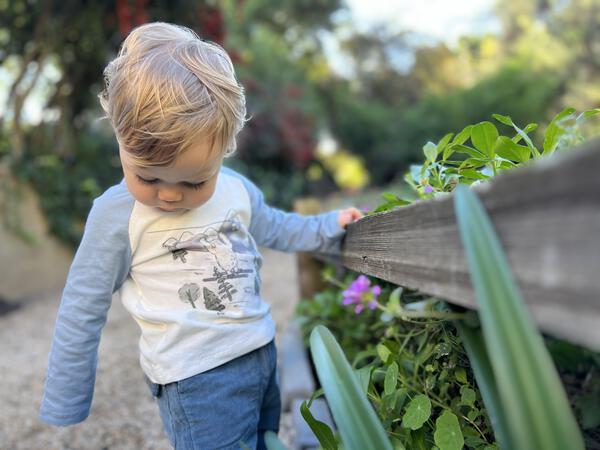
(186, 184)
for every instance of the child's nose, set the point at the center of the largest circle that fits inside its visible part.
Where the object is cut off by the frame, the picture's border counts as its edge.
(169, 194)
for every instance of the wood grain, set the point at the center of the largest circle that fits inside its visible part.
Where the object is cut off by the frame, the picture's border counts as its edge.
(547, 216)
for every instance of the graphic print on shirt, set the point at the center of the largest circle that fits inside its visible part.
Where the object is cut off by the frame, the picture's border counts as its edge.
(228, 246)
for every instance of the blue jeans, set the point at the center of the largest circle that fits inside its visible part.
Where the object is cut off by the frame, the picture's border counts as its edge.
(223, 407)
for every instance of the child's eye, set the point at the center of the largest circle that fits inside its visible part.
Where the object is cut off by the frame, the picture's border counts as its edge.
(144, 180)
(185, 183)
(194, 185)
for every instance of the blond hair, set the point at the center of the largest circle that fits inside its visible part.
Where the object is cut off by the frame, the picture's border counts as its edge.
(166, 89)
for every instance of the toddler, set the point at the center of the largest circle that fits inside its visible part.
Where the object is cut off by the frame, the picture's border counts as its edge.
(178, 239)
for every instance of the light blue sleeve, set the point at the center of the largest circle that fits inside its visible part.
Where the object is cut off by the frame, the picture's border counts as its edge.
(291, 232)
(100, 266)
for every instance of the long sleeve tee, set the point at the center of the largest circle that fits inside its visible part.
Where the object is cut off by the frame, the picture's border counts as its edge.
(190, 280)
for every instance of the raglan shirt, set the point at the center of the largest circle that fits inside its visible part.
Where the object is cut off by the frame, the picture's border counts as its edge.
(190, 280)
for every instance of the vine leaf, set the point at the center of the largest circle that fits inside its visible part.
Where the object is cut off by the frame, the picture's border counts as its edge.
(447, 433)
(417, 412)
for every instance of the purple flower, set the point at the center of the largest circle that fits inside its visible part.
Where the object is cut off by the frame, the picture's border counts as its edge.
(361, 294)
(428, 189)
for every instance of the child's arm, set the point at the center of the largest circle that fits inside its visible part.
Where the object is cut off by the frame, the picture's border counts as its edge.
(291, 232)
(100, 266)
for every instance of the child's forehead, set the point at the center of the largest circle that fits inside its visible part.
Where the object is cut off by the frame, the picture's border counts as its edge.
(196, 163)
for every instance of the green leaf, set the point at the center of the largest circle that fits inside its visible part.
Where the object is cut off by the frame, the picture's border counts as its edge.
(321, 430)
(447, 435)
(461, 375)
(383, 352)
(462, 137)
(555, 131)
(430, 151)
(465, 149)
(318, 393)
(273, 443)
(506, 120)
(534, 400)
(417, 412)
(441, 145)
(483, 136)
(589, 113)
(506, 148)
(472, 173)
(357, 422)
(391, 379)
(473, 162)
(364, 377)
(467, 396)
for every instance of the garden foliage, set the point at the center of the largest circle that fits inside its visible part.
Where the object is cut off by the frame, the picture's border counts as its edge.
(427, 381)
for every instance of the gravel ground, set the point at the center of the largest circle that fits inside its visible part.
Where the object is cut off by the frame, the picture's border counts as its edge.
(123, 415)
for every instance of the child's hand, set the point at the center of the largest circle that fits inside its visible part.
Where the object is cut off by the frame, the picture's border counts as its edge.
(349, 215)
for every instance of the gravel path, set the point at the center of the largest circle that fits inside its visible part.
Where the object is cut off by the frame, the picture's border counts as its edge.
(123, 415)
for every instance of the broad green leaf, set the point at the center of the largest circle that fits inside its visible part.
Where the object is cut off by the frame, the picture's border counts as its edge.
(364, 377)
(272, 441)
(417, 412)
(473, 162)
(321, 430)
(391, 379)
(462, 137)
(354, 416)
(393, 305)
(441, 145)
(388, 196)
(483, 137)
(555, 131)
(467, 396)
(508, 149)
(521, 134)
(534, 400)
(465, 149)
(383, 352)
(430, 151)
(472, 173)
(447, 435)
(461, 375)
(506, 120)
(506, 164)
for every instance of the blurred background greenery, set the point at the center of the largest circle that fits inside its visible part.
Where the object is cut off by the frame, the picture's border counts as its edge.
(334, 104)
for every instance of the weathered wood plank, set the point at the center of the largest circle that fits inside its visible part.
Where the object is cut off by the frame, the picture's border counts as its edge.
(547, 216)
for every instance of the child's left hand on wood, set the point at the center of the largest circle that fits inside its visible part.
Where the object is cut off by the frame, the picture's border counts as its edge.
(348, 216)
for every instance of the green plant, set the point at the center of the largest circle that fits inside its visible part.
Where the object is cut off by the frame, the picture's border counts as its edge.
(479, 152)
(533, 405)
(395, 337)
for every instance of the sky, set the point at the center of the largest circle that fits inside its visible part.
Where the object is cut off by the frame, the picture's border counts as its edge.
(443, 20)
(428, 21)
